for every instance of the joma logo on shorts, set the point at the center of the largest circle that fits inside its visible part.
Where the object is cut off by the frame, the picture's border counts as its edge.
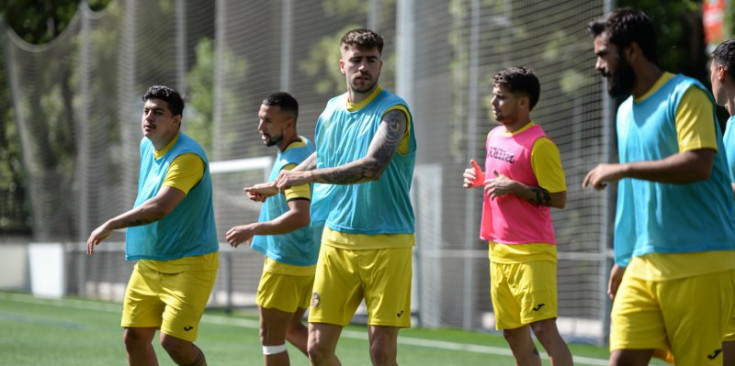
(714, 355)
(315, 300)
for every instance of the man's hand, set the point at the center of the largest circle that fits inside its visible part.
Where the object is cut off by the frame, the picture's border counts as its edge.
(240, 234)
(499, 186)
(601, 174)
(616, 277)
(473, 177)
(97, 236)
(260, 192)
(290, 178)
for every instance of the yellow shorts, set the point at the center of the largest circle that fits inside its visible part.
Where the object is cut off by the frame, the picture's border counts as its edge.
(687, 316)
(173, 302)
(285, 287)
(344, 277)
(522, 293)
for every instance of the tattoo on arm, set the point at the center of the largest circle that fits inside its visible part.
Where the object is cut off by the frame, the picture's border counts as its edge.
(382, 148)
(542, 196)
(308, 163)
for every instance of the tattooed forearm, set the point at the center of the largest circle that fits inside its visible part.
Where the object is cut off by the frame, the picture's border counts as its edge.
(382, 148)
(308, 163)
(541, 196)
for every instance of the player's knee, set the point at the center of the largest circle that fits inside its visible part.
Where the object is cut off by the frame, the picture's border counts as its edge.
(381, 356)
(135, 339)
(544, 330)
(317, 354)
(179, 350)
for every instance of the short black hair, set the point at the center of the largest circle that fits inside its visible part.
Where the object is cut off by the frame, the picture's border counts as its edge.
(170, 96)
(363, 39)
(285, 101)
(520, 80)
(724, 55)
(627, 25)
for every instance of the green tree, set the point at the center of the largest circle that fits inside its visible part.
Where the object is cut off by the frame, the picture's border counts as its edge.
(681, 46)
(35, 22)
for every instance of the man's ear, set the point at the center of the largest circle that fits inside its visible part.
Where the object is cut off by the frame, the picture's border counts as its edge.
(721, 72)
(631, 51)
(524, 101)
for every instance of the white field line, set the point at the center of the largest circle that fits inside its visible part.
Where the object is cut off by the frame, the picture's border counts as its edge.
(252, 324)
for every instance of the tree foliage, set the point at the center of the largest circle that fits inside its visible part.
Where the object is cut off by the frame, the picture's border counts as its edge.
(35, 22)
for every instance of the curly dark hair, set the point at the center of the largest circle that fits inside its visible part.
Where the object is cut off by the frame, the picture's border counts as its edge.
(520, 80)
(627, 25)
(363, 39)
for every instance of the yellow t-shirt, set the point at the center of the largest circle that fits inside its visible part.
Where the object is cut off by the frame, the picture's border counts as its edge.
(296, 192)
(185, 171)
(695, 128)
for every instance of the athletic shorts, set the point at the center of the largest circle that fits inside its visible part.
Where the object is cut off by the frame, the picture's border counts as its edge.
(344, 277)
(687, 316)
(173, 302)
(285, 287)
(522, 293)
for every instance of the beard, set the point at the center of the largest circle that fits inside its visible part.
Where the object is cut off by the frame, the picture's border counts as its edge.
(274, 141)
(620, 82)
(364, 89)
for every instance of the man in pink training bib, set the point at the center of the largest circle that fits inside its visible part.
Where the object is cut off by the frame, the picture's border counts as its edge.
(523, 178)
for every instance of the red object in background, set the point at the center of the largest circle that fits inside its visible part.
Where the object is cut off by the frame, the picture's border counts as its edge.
(713, 18)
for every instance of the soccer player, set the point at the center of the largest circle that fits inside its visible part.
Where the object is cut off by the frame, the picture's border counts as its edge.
(171, 232)
(366, 150)
(674, 243)
(723, 89)
(284, 235)
(525, 178)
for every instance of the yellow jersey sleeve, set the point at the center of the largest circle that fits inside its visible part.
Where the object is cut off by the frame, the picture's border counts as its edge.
(695, 123)
(405, 146)
(296, 192)
(546, 164)
(184, 172)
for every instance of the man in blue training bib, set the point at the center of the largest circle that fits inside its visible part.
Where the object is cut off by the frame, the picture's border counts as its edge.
(365, 151)
(284, 235)
(171, 232)
(672, 282)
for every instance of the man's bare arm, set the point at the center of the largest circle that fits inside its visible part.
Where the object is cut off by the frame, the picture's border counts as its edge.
(382, 148)
(308, 163)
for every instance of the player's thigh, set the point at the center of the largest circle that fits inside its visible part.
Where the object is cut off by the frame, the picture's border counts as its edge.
(284, 292)
(337, 290)
(386, 276)
(142, 306)
(636, 321)
(505, 306)
(535, 287)
(696, 313)
(186, 295)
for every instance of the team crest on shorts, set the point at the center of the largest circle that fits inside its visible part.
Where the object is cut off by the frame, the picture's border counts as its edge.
(315, 299)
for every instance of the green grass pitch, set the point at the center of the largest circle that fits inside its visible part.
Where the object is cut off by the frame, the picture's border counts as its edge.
(70, 331)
